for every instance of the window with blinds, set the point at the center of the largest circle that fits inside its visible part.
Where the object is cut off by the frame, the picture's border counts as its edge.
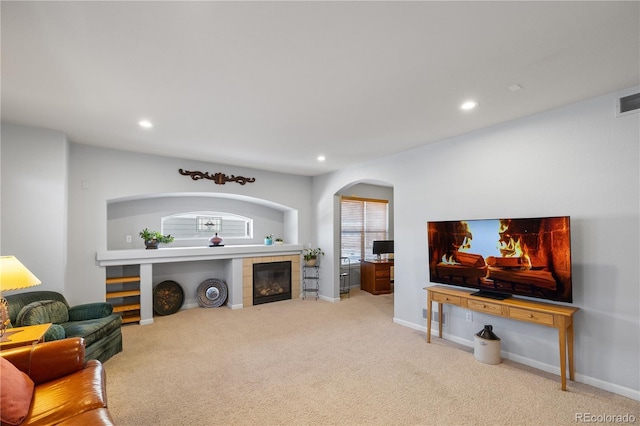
(363, 220)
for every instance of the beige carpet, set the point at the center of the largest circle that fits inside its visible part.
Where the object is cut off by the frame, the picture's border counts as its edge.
(319, 363)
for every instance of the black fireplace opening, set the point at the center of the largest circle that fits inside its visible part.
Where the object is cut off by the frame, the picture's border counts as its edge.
(271, 282)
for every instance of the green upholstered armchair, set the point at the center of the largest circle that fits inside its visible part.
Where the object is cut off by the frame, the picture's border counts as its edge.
(94, 322)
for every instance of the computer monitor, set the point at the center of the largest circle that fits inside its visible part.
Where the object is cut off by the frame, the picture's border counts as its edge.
(381, 247)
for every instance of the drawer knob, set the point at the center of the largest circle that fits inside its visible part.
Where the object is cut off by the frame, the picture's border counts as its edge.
(530, 315)
(446, 298)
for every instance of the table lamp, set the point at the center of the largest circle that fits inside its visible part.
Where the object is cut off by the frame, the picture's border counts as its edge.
(13, 276)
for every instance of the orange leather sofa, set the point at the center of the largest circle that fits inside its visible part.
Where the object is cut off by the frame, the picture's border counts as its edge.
(67, 390)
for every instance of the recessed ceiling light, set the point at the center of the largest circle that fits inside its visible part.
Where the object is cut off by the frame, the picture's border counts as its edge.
(468, 105)
(145, 124)
(321, 158)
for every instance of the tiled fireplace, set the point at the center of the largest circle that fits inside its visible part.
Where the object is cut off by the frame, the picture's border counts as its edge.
(248, 276)
(235, 267)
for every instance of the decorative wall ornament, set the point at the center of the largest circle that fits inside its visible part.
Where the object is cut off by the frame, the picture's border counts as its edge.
(217, 178)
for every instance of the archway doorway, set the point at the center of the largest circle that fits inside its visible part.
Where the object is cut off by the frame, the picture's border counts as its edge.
(369, 200)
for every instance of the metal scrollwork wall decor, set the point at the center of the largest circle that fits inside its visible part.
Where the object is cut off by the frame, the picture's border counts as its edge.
(217, 178)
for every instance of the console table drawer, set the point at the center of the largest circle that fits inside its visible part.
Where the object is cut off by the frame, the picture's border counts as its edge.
(443, 298)
(532, 316)
(489, 308)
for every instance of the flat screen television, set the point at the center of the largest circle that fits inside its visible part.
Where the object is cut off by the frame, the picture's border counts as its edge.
(381, 247)
(503, 257)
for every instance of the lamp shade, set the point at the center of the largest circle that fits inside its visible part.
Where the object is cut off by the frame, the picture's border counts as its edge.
(14, 275)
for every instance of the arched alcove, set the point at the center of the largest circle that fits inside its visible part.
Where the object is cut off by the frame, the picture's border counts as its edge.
(128, 215)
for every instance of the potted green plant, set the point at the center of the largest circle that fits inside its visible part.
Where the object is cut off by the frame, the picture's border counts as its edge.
(279, 241)
(268, 239)
(153, 238)
(311, 256)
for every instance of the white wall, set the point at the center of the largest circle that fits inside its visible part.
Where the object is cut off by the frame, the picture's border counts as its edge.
(581, 161)
(33, 225)
(48, 183)
(112, 175)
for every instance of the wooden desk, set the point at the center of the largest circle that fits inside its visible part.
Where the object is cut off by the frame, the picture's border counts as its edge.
(375, 276)
(23, 336)
(557, 316)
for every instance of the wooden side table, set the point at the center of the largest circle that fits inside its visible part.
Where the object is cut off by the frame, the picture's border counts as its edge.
(23, 336)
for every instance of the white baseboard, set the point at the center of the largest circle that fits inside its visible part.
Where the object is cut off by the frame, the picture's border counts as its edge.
(610, 387)
(196, 305)
(587, 380)
(410, 325)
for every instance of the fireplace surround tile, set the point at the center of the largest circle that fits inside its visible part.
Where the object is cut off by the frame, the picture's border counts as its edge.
(247, 275)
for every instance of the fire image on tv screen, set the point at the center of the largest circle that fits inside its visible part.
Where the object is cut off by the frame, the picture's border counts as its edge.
(502, 257)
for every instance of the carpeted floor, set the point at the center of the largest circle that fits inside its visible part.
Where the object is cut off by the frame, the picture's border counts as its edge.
(318, 363)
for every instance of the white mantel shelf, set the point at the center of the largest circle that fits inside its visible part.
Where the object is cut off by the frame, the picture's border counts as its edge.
(190, 254)
(233, 255)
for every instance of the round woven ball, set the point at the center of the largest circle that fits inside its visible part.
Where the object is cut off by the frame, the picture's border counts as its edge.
(212, 293)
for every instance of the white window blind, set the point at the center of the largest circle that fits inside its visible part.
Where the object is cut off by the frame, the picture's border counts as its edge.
(363, 220)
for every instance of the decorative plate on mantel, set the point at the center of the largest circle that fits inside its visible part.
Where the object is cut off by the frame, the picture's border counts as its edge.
(168, 298)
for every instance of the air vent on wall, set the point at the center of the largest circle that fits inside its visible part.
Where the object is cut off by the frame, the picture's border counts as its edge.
(629, 103)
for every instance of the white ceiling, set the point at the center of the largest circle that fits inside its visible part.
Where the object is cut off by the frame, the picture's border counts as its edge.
(271, 85)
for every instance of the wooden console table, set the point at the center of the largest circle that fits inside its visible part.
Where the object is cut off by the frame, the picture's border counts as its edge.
(557, 316)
